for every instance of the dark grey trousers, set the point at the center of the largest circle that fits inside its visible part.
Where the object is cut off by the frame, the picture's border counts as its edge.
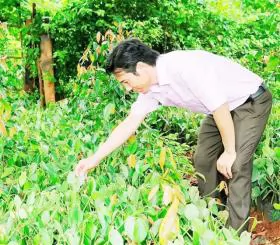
(249, 122)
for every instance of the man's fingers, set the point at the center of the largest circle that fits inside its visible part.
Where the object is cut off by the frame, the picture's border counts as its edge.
(229, 172)
(225, 172)
(79, 169)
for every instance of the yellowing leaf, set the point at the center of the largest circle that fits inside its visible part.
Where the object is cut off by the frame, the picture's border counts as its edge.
(153, 192)
(223, 186)
(98, 50)
(162, 157)
(131, 160)
(98, 37)
(114, 199)
(178, 193)
(3, 130)
(167, 195)
(132, 139)
(12, 132)
(169, 227)
(171, 158)
(255, 222)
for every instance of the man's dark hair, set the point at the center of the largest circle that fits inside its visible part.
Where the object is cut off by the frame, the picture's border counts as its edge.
(127, 53)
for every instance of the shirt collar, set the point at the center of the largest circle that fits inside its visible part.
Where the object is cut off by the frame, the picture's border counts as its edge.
(161, 71)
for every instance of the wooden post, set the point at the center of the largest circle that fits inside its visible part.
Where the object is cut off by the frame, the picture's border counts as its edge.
(46, 69)
(41, 85)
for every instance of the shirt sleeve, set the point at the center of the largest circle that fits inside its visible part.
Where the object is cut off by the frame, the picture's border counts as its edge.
(144, 105)
(204, 85)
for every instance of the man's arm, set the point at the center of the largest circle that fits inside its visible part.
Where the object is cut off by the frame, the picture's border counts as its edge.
(225, 125)
(119, 135)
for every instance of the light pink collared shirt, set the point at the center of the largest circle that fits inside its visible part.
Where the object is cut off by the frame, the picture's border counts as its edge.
(198, 81)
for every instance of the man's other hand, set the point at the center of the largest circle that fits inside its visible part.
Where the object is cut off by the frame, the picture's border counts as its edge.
(225, 162)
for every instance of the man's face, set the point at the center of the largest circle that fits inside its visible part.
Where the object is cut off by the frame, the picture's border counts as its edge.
(139, 82)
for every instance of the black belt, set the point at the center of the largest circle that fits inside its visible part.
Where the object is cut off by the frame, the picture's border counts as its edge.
(260, 91)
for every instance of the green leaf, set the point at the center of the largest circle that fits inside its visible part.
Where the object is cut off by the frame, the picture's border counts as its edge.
(17, 202)
(136, 228)
(129, 226)
(22, 213)
(45, 237)
(140, 230)
(115, 237)
(7, 172)
(256, 192)
(76, 215)
(91, 229)
(155, 227)
(245, 237)
(276, 206)
(46, 217)
(273, 63)
(22, 178)
(270, 169)
(109, 110)
(277, 152)
(194, 194)
(191, 212)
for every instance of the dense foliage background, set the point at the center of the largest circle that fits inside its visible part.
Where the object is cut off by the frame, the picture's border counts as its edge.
(143, 192)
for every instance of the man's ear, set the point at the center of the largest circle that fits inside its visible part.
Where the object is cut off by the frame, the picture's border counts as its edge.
(140, 66)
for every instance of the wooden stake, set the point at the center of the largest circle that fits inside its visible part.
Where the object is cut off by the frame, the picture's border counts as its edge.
(46, 66)
(41, 84)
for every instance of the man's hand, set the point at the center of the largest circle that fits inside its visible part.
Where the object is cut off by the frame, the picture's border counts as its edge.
(225, 162)
(119, 135)
(84, 166)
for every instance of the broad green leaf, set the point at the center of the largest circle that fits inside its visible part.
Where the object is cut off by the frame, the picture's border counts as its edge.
(22, 178)
(129, 226)
(223, 216)
(22, 213)
(7, 171)
(194, 194)
(17, 201)
(45, 217)
(76, 215)
(136, 228)
(140, 230)
(270, 168)
(91, 229)
(45, 237)
(109, 110)
(115, 237)
(31, 198)
(155, 227)
(72, 236)
(245, 238)
(191, 212)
